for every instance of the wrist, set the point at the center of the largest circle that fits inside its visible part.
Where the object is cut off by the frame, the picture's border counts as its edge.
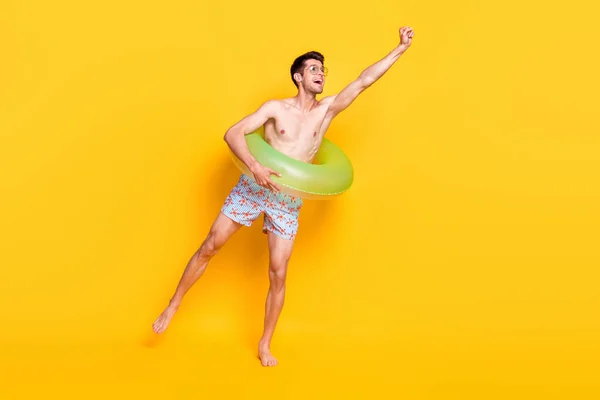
(402, 48)
(253, 165)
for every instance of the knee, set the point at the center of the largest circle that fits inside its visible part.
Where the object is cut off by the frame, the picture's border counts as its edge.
(209, 247)
(278, 271)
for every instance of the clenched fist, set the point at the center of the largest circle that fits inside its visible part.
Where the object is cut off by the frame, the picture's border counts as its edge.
(406, 35)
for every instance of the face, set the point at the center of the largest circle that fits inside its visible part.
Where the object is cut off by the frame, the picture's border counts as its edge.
(313, 76)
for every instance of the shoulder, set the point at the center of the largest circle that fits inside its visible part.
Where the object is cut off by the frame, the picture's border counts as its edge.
(326, 101)
(270, 107)
(272, 104)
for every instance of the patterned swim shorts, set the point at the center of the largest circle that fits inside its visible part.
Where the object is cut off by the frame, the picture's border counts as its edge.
(247, 200)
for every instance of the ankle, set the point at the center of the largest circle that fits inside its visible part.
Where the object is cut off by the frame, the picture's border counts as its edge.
(174, 304)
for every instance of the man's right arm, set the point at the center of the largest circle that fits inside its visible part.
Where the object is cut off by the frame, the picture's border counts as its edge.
(235, 139)
(235, 135)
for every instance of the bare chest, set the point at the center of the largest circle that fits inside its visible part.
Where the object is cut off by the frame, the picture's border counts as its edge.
(292, 126)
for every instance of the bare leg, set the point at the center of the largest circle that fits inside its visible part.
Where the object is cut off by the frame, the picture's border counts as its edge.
(220, 232)
(280, 251)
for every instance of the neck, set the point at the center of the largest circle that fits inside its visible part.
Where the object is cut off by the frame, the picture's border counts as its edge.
(305, 101)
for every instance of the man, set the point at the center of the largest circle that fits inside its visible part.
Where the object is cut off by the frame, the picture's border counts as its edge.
(294, 126)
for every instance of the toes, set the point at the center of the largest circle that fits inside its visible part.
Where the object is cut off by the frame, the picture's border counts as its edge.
(158, 327)
(268, 362)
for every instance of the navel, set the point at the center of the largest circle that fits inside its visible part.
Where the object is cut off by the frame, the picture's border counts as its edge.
(315, 134)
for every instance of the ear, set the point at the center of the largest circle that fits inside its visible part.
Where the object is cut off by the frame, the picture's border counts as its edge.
(297, 77)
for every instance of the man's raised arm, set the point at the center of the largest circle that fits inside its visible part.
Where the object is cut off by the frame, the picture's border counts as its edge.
(370, 75)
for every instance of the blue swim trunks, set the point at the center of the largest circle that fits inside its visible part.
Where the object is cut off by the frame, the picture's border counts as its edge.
(247, 200)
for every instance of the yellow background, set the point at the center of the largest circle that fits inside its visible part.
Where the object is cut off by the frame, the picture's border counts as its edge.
(461, 264)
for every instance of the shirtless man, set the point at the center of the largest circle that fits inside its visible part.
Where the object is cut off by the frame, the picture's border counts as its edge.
(294, 126)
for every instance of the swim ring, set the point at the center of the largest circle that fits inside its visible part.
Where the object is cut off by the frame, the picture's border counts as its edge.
(330, 175)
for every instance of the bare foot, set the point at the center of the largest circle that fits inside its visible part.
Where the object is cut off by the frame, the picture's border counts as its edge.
(163, 319)
(266, 358)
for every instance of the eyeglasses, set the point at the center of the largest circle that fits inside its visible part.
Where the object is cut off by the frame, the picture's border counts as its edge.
(314, 69)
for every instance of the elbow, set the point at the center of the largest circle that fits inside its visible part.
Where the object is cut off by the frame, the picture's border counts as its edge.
(228, 135)
(366, 80)
(233, 135)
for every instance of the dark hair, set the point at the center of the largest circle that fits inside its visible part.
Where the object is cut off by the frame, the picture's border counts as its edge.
(298, 64)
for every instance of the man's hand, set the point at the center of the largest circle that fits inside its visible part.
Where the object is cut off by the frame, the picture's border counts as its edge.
(406, 35)
(262, 176)
(369, 76)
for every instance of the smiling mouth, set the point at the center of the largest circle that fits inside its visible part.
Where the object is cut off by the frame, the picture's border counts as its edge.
(318, 82)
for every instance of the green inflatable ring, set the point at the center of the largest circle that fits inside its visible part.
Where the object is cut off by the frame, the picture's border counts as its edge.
(330, 175)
